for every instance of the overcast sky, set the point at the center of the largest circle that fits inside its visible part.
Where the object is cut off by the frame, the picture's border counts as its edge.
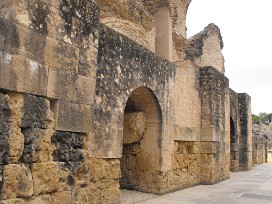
(246, 28)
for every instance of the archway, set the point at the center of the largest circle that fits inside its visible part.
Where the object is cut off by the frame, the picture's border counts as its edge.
(141, 141)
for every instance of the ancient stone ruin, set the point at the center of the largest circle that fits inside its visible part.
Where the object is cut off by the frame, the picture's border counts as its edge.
(101, 95)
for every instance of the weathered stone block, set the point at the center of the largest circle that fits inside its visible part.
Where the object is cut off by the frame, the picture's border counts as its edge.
(22, 75)
(208, 147)
(25, 42)
(45, 177)
(184, 134)
(62, 197)
(74, 117)
(37, 145)
(17, 181)
(104, 169)
(68, 146)
(37, 113)
(61, 55)
(70, 86)
(134, 127)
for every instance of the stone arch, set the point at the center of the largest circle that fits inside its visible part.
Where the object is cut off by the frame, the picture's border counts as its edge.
(141, 140)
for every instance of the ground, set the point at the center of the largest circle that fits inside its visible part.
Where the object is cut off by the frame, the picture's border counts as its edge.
(244, 187)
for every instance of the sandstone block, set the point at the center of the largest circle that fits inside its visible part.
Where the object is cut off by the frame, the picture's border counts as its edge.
(70, 86)
(45, 177)
(22, 75)
(134, 127)
(61, 197)
(37, 145)
(86, 195)
(104, 169)
(61, 55)
(74, 117)
(17, 181)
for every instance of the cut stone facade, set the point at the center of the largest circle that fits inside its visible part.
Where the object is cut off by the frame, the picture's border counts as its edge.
(91, 102)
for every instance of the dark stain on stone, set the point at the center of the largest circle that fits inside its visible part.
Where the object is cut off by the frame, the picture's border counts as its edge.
(12, 41)
(35, 112)
(70, 180)
(5, 114)
(38, 12)
(67, 146)
(84, 15)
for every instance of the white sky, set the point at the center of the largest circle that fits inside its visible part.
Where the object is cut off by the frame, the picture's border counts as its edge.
(246, 28)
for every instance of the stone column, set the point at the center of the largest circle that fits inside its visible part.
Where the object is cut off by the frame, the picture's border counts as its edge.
(245, 148)
(214, 142)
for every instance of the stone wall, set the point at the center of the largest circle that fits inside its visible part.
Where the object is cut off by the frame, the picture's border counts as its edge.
(261, 143)
(41, 164)
(84, 108)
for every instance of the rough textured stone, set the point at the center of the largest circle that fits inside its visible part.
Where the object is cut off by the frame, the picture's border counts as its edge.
(37, 113)
(134, 127)
(68, 146)
(5, 115)
(42, 182)
(204, 48)
(37, 145)
(17, 181)
(62, 197)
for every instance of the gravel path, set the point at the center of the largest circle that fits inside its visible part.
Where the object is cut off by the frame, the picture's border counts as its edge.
(129, 197)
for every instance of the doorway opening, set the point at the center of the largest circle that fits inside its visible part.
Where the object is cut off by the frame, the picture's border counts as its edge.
(141, 140)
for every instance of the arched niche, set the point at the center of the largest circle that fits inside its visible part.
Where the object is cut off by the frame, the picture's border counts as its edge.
(141, 140)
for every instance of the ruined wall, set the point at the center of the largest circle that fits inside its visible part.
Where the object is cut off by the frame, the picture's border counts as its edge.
(204, 48)
(261, 143)
(72, 88)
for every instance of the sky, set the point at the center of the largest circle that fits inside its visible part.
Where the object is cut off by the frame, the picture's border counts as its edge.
(246, 28)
